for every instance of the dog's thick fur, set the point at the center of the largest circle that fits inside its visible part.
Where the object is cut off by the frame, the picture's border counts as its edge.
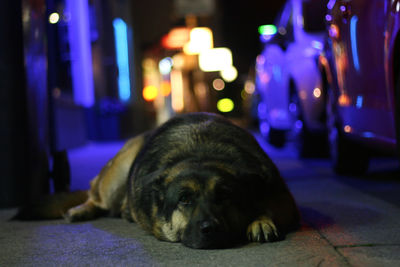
(198, 179)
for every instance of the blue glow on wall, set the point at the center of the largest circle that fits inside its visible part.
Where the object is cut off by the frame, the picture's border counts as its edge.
(121, 45)
(359, 102)
(353, 36)
(81, 52)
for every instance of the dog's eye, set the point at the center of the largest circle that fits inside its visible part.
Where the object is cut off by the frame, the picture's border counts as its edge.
(185, 199)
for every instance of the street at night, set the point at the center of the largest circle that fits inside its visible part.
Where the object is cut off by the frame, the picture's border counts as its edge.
(131, 109)
(346, 221)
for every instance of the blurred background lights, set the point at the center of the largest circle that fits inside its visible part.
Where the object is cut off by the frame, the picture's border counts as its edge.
(249, 87)
(177, 102)
(148, 64)
(54, 18)
(165, 65)
(298, 124)
(264, 128)
(121, 46)
(317, 45)
(176, 38)
(282, 30)
(225, 105)
(201, 39)
(150, 93)
(267, 29)
(229, 74)
(215, 59)
(218, 84)
(317, 92)
(165, 88)
(178, 61)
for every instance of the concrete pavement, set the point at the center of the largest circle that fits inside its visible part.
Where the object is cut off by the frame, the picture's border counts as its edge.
(346, 222)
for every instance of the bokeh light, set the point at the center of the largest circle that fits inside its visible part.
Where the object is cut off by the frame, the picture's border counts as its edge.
(218, 84)
(317, 92)
(54, 18)
(150, 93)
(225, 105)
(215, 59)
(229, 74)
(165, 65)
(165, 88)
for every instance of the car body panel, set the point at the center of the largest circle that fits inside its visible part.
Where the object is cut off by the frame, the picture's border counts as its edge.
(362, 43)
(290, 58)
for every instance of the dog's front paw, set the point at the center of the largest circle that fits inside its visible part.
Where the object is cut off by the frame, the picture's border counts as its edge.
(263, 230)
(84, 212)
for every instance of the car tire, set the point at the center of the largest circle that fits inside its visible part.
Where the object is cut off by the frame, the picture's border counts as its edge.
(348, 158)
(277, 138)
(308, 144)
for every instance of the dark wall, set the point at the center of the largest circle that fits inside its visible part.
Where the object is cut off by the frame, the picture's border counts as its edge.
(24, 165)
(13, 134)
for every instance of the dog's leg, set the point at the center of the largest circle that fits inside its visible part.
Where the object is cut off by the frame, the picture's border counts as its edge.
(108, 189)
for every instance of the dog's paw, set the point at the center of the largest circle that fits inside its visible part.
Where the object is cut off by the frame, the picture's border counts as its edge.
(84, 212)
(263, 230)
(74, 215)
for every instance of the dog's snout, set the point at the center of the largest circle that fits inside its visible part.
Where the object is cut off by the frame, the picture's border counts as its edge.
(207, 226)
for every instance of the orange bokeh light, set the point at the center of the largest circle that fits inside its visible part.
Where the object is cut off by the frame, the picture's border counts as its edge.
(165, 88)
(150, 93)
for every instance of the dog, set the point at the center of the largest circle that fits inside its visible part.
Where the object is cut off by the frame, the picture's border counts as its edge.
(197, 179)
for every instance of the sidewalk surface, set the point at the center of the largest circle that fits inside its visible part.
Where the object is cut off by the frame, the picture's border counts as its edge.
(346, 222)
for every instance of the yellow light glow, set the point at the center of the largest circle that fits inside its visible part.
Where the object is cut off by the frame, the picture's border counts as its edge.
(344, 100)
(218, 84)
(347, 129)
(177, 90)
(54, 18)
(243, 94)
(215, 59)
(178, 61)
(150, 93)
(201, 39)
(317, 92)
(225, 105)
(229, 74)
(165, 88)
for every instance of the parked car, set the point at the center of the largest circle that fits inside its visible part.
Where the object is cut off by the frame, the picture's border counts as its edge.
(288, 81)
(361, 65)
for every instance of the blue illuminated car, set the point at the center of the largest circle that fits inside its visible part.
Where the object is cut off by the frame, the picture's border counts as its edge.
(288, 81)
(362, 66)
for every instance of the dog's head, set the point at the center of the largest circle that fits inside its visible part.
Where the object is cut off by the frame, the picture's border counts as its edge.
(204, 208)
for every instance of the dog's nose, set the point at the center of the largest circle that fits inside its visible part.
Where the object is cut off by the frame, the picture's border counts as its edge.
(207, 227)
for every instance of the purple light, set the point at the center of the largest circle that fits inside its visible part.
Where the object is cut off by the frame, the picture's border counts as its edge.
(292, 107)
(330, 4)
(328, 17)
(262, 111)
(265, 38)
(298, 124)
(264, 128)
(81, 53)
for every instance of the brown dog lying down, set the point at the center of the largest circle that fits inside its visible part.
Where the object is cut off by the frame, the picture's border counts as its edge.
(197, 179)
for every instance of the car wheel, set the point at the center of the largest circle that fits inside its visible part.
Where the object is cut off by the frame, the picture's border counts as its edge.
(347, 157)
(308, 144)
(276, 137)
